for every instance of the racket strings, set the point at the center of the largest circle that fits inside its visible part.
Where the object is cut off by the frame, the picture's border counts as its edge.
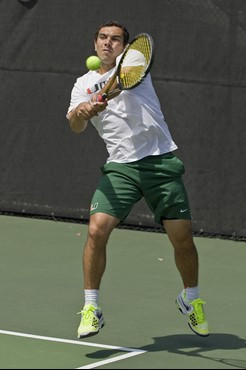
(143, 46)
(135, 63)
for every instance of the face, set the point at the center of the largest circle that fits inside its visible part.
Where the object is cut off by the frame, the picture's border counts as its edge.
(109, 45)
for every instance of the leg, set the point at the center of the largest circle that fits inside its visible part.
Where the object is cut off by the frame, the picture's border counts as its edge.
(116, 194)
(185, 252)
(94, 255)
(186, 259)
(94, 263)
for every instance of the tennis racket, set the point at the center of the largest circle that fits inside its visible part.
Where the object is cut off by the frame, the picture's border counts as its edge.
(134, 65)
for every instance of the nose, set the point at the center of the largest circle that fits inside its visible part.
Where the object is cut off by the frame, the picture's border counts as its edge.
(108, 41)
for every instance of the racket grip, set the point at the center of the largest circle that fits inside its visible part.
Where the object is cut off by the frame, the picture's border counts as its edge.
(102, 97)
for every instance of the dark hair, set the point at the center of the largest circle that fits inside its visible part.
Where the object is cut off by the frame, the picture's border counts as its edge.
(114, 24)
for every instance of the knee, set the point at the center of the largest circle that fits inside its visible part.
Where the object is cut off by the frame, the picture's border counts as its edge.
(183, 241)
(100, 228)
(97, 232)
(180, 233)
(184, 244)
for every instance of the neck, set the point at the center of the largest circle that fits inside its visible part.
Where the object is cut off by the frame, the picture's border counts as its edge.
(105, 68)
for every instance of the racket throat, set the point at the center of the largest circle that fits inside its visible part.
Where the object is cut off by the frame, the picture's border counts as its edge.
(111, 94)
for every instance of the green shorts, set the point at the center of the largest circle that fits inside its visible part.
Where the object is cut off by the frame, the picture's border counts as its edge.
(156, 178)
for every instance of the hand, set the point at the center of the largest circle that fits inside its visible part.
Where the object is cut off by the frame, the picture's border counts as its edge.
(98, 106)
(90, 109)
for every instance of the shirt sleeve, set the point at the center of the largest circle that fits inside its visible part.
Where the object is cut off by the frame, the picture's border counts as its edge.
(78, 95)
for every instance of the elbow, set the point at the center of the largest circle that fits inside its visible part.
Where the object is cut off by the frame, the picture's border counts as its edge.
(77, 129)
(74, 128)
(77, 124)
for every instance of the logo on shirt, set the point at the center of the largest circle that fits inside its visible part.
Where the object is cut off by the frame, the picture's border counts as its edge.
(95, 88)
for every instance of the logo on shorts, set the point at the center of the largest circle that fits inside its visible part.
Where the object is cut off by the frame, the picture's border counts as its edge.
(184, 210)
(94, 206)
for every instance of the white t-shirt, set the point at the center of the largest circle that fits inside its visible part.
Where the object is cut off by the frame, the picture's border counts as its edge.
(132, 125)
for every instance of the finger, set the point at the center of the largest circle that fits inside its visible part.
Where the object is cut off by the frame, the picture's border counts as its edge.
(84, 113)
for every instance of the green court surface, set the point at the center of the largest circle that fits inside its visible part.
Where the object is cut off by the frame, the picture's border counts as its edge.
(41, 291)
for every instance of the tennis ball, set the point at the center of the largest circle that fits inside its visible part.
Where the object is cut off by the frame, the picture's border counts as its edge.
(93, 63)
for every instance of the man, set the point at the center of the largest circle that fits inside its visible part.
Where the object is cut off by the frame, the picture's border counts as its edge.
(141, 163)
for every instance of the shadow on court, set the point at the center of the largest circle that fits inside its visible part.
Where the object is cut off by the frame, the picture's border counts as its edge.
(191, 346)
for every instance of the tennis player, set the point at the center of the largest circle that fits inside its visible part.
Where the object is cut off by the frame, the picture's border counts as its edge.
(141, 163)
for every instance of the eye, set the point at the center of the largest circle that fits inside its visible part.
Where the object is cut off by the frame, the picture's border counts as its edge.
(116, 39)
(102, 36)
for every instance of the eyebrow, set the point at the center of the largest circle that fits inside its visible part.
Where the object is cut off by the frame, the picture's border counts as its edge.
(120, 37)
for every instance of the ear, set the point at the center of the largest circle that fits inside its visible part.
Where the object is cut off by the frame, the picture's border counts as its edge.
(95, 46)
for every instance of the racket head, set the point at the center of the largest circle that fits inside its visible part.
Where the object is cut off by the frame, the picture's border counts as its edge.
(135, 62)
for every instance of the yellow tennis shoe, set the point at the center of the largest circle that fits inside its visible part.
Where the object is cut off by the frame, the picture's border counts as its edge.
(91, 321)
(195, 312)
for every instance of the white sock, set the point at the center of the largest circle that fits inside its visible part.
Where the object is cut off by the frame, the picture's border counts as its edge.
(91, 296)
(192, 293)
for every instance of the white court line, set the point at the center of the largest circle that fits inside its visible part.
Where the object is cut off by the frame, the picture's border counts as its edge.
(133, 351)
(117, 358)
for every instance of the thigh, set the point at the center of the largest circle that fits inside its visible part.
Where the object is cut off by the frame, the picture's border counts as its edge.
(115, 195)
(165, 192)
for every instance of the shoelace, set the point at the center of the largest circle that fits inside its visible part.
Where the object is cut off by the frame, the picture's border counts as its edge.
(197, 304)
(87, 314)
